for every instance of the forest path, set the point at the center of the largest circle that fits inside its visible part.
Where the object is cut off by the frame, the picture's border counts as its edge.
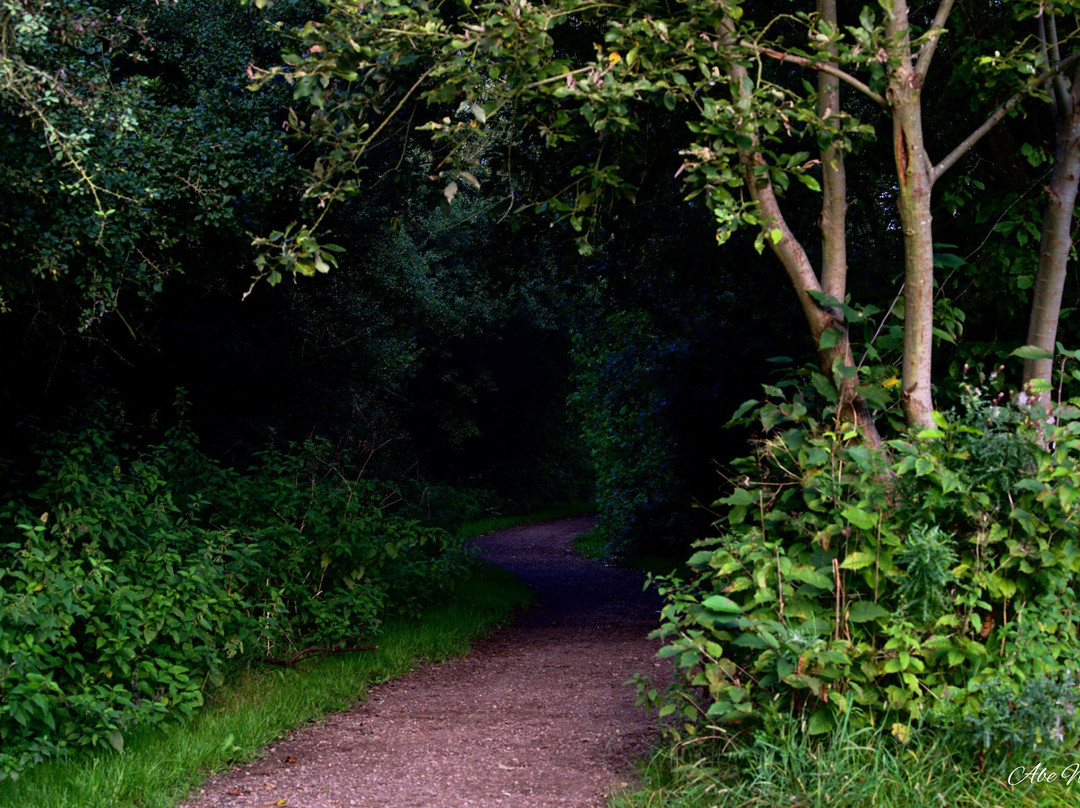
(536, 715)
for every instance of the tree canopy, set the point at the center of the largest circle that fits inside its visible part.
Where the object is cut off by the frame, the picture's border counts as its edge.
(770, 101)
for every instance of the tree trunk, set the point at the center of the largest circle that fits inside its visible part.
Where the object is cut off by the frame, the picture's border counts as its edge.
(916, 182)
(1056, 240)
(851, 406)
(833, 183)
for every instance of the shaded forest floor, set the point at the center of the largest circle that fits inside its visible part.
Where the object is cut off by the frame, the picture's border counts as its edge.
(537, 715)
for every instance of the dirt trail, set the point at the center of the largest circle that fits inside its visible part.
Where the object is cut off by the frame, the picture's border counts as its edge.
(537, 715)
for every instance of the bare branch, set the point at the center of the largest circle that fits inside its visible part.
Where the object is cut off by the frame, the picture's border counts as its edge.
(824, 67)
(996, 116)
(1055, 42)
(937, 28)
(1064, 97)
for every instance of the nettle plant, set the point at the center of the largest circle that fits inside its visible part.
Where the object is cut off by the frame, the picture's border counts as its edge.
(932, 582)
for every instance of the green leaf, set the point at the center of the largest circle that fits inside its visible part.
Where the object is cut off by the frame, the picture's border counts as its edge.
(744, 408)
(829, 338)
(700, 559)
(947, 261)
(813, 577)
(1032, 352)
(740, 497)
(857, 560)
(116, 740)
(825, 388)
(864, 611)
(820, 722)
(718, 603)
(860, 518)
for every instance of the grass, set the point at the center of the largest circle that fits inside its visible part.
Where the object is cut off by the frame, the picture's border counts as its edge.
(846, 770)
(159, 766)
(593, 545)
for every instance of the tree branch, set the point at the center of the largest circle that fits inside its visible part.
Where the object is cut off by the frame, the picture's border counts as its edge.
(824, 67)
(1045, 50)
(995, 118)
(937, 28)
(1064, 97)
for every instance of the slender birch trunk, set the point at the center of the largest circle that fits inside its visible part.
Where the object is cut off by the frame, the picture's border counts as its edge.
(1056, 240)
(852, 407)
(834, 264)
(915, 177)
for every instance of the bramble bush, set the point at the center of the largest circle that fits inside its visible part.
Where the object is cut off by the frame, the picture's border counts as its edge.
(932, 583)
(134, 578)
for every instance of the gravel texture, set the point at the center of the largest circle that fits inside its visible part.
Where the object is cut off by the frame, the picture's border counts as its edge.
(536, 715)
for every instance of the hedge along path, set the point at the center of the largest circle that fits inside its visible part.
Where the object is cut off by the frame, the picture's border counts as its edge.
(536, 715)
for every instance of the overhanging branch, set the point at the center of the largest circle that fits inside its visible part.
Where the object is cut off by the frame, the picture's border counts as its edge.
(824, 67)
(996, 116)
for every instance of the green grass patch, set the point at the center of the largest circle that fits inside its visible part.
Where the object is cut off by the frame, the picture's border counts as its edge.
(493, 522)
(593, 545)
(160, 765)
(863, 768)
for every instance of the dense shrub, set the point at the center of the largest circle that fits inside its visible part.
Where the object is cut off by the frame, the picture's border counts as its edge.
(930, 583)
(133, 577)
(625, 409)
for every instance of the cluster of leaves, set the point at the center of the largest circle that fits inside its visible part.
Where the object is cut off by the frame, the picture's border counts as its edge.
(117, 153)
(151, 570)
(929, 583)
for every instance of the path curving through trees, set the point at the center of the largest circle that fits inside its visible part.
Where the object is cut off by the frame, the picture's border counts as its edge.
(537, 715)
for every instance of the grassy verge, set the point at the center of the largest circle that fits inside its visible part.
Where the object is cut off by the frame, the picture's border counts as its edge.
(847, 771)
(158, 767)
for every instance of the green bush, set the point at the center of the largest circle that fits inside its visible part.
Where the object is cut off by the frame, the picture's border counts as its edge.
(146, 572)
(624, 406)
(930, 583)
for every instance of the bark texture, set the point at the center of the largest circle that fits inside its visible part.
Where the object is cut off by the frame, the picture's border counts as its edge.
(852, 406)
(915, 178)
(1056, 240)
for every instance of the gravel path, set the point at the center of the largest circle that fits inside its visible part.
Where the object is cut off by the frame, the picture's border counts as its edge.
(537, 715)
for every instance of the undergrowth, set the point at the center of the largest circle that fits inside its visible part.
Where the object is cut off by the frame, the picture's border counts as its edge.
(159, 765)
(138, 579)
(849, 768)
(893, 626)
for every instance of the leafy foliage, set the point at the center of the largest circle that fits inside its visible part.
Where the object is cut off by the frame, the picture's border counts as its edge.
(123, 151)
(927, 588)
(622, 401)
(149, 571)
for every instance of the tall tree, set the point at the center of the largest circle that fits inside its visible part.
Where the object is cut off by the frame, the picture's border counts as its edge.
(753, 120)
(1056, 242)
